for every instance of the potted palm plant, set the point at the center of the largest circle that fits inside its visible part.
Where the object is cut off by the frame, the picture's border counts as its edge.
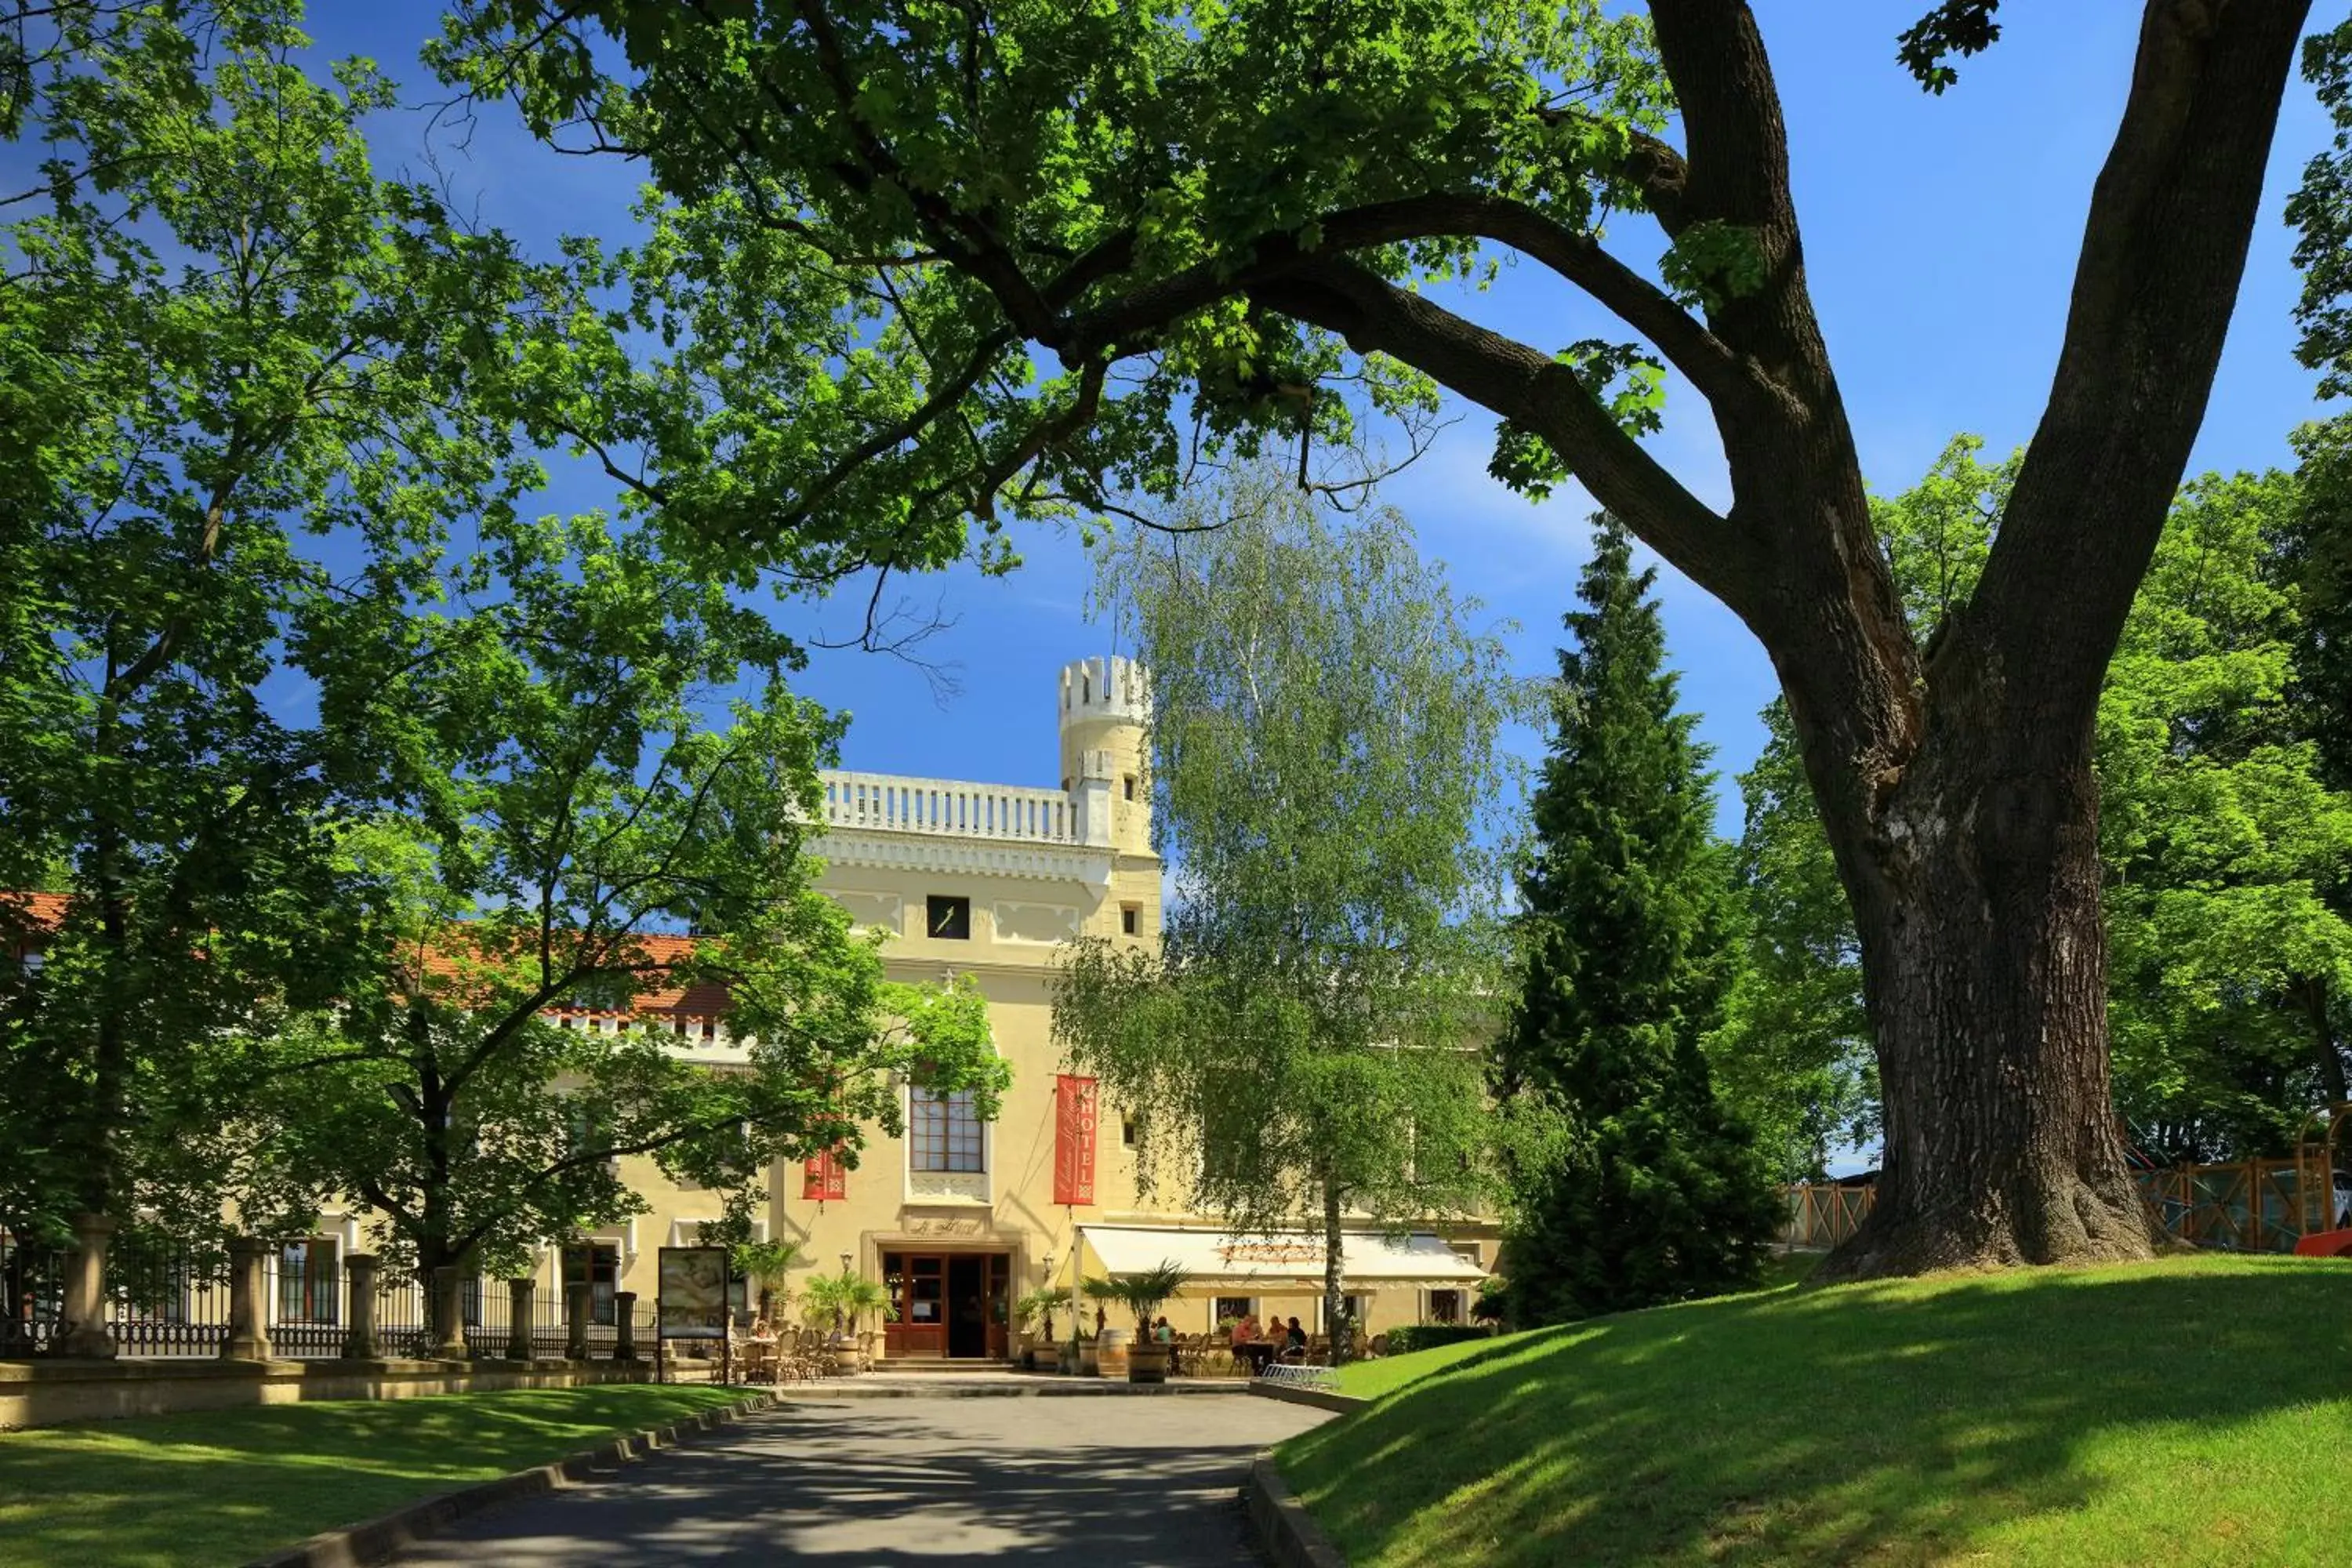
(1038, 1306)
(1143, 1294)
(767, 1265)
(837, 1301)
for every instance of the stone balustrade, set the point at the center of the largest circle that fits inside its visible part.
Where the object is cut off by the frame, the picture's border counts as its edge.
(891, 802)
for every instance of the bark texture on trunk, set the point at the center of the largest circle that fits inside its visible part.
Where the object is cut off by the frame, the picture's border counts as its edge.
(1985, 965)
(2326, 1054)
(1335, 1285)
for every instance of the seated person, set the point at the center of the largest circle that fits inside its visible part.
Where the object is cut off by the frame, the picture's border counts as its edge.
(1294, 1343)
(1251, 1344)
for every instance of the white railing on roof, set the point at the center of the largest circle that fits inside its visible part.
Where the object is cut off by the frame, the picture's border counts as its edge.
(895, 804)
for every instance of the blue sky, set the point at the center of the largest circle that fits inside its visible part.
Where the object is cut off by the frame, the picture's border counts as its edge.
(1940, 242)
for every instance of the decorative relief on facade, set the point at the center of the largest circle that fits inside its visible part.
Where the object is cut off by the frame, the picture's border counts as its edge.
(953, 1186)
(871, 908)
(1043, 923)
(980, 858)
(971, 1225)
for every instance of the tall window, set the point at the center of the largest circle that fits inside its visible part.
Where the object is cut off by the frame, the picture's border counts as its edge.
(945, 1131)
(306, 1282)
(597, 1266)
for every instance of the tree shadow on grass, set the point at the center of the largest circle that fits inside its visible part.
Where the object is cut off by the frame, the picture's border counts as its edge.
(2160, 1413)
(226, 1486)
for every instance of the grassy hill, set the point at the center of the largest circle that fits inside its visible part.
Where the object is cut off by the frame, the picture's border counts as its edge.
(2197, 1410)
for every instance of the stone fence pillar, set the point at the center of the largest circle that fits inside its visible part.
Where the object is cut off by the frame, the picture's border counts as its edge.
(624, 1325)
(577, 1299)
(519, 1291)
(84, 1307)
(248, 1298)
(359, 1339)
(448, 1320)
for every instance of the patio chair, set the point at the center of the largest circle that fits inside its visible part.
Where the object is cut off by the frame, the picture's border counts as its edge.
(815, 1355)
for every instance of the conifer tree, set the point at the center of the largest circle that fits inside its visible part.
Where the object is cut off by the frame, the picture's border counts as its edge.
(1656, 1192)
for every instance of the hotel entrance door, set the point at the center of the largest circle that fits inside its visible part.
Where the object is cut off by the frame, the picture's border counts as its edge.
(946, 1304)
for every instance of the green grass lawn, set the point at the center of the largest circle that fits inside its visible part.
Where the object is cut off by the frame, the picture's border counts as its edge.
(226, 1486)
(2197, 1410)
(1371, 1379)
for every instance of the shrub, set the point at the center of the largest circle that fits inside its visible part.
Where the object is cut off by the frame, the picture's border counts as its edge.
(1429, 1336)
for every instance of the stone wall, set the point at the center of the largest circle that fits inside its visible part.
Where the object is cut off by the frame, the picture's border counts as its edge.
(45, 1393)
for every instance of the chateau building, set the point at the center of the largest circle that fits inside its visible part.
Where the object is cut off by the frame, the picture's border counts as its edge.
(960, 1217)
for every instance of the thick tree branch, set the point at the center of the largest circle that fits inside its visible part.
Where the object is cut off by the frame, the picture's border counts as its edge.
(1735, 147)
(1536, 391)
(1633, 300)
(2163, 251)
(1642, 305)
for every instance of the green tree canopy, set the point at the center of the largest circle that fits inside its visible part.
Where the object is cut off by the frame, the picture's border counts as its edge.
(1324, 771)
(226, 342)
(1793, 1055)
(2223, 843)
(554, 812)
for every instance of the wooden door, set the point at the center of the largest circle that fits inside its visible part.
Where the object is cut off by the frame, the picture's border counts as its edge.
(915, 1321)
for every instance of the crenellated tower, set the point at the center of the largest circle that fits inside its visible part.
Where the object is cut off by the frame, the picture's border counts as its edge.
(1105, 714)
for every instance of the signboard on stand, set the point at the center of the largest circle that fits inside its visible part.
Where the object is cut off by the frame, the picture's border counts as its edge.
(691, 1300)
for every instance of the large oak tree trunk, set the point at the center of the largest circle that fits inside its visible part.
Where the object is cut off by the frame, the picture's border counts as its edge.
(1985, 969)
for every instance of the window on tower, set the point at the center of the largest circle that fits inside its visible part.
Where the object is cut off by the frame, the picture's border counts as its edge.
(1130, 917)
(1127, 782)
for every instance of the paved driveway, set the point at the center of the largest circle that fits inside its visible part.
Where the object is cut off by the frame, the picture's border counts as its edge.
(1148, 1481)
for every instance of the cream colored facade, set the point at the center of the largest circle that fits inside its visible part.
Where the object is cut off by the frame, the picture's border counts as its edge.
(1025, 869)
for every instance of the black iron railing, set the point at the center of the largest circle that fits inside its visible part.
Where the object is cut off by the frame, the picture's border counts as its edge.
(166, 1298)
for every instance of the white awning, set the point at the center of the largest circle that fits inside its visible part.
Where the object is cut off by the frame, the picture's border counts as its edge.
(1368, 1258)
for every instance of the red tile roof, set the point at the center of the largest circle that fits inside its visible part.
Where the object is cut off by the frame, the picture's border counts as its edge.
(44, 910)
(694, 1001)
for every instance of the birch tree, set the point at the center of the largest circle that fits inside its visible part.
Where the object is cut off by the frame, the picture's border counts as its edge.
(1306, 1046)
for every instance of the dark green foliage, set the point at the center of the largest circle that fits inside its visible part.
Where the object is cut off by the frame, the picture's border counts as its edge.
(1658, 1193)
(1957, 28)
(1429, 1336)
(1794, 1053)
(2313, 558)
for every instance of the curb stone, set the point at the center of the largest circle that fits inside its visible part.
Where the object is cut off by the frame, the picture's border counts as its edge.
(948, 1389)
(1286, 1532)
(1321, 1398)
(375, 1540)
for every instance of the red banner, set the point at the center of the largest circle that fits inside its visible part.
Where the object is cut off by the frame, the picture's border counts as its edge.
(823, 1177)
(1074, 1140)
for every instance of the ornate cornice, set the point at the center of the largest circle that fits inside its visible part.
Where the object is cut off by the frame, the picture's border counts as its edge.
(971, 856)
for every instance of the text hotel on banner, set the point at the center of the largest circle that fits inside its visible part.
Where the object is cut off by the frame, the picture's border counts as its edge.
(1074, 1140)
(824, 1178)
